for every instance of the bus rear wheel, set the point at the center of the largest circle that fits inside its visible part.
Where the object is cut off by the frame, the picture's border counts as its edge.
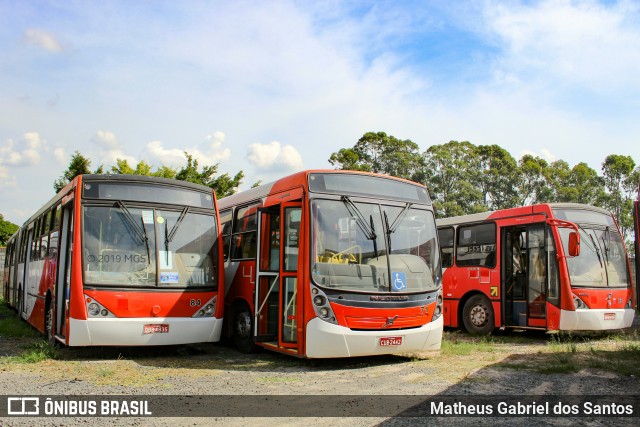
(477, 315)
(243, 329)
(48, 327)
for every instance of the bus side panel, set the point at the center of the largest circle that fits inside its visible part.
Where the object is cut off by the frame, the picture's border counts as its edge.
(240, 278)
(77, 307)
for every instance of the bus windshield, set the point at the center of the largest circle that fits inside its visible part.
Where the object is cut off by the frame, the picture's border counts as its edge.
(370, 247)
(128, 246)
(602, 260)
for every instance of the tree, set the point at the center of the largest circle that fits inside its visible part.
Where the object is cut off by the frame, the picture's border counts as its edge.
(223, 185)
(381, 153)
(618, 174)
(143, 168)
(532, 184)
(79, 165)
(452, 173)
(6, 230)
(499, 170)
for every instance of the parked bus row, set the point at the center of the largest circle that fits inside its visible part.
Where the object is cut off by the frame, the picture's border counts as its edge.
(316, 264)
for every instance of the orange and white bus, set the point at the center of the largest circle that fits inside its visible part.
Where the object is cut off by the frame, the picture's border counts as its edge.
(547, 266)
(120, 260)
(324, 264)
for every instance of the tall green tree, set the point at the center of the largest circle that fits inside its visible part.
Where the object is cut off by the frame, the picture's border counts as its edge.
(381, 153)
(532, 184)
(453, 174)
(618, 174)
(223, 185)
(142, 168)
(499, 170)
(6, 230)
(79, 165)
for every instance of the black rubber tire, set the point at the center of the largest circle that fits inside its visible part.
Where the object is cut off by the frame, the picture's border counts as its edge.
(48, 327)
(243, 329)
(477, 315)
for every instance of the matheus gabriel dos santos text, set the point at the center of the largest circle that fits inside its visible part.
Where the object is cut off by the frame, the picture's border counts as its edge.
(533, 408)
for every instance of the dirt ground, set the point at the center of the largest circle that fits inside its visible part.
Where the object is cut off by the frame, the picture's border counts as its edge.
(504, 365)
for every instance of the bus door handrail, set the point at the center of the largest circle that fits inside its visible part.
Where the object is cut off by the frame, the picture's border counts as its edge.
(266, 297)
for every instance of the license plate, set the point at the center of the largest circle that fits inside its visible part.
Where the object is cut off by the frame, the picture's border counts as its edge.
(155, 329)
(609, 316)
(387, 341)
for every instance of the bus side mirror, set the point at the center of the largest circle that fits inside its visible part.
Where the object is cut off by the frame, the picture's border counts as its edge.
(574, 244)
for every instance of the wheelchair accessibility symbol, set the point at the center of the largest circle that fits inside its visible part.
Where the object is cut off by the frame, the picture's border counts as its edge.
(399, 281)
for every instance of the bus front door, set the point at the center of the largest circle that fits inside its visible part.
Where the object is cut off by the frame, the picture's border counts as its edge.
(525, 276)
(277, 276)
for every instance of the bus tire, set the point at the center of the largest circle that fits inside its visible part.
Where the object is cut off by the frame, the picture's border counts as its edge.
(477, 315)
(48, 327)
(243, 329)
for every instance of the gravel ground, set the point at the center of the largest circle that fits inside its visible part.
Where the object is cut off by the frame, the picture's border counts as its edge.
(218, 369)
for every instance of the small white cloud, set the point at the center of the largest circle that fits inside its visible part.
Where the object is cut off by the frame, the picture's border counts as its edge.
(6, 180)
(110, 149)
(209, 153)
(59, 155)
(43, 39)
(544, 153)
(33, 145)
(274, 156)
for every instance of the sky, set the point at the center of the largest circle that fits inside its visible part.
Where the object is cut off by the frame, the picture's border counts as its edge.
(274, 87)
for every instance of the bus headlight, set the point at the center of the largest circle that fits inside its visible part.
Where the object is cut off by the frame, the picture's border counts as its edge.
(438, 310)
(322, 307)
(209, 310)
(94, 309)
(579, 303)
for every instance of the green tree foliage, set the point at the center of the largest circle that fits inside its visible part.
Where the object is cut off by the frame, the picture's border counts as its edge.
(381, 153)
(453, 175)
(6, 230)
(621, 184)
(223, 185)
(499, 170)
(79, 165)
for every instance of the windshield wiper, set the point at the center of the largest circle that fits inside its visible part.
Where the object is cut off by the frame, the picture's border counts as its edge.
(368, 229)
(169, 235)
(396, 222)
(595, 247)
(140, 232)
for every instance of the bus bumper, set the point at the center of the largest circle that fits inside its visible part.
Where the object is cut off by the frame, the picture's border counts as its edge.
(130, 332)
(596, 319)
(326, 340)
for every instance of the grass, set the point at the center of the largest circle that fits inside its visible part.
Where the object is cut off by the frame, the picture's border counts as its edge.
(11, 326)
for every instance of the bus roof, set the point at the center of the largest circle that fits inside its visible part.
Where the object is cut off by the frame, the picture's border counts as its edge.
(299, 179)
(541, 208)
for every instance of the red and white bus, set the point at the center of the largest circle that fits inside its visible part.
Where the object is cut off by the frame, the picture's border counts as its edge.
(325, 264)
(547, 266)
(120, 260)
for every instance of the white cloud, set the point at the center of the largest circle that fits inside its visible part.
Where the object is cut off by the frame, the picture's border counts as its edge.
(208, 153)
(60, 155)
(110, 150)
(32, 145)
(273, 156)
(583, 42)
(43, 39)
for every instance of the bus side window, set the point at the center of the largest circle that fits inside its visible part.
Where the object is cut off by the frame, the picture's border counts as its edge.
(245, 233)
(445, 236)
(476, 245)
(225, 221)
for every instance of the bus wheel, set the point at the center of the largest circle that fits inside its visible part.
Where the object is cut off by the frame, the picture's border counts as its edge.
(48, 327)
(243, 329)
(477, 315)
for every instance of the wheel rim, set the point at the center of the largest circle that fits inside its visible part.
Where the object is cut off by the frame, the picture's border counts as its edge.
(243, 324)
(478, 315)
